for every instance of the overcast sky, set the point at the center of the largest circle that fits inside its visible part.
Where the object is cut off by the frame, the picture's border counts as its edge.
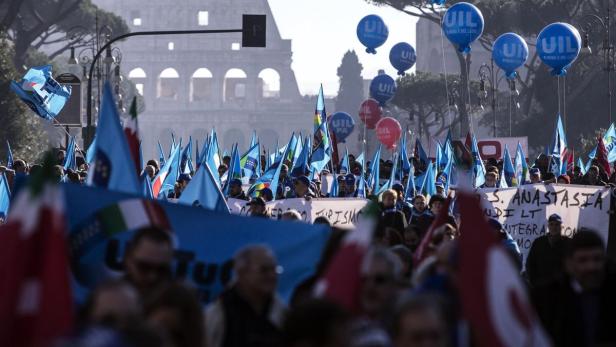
(323, 30)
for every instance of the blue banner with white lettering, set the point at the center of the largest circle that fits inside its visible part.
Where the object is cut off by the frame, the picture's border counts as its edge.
(205, 241)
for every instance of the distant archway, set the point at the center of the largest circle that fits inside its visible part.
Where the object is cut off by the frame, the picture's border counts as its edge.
(137, 76)
(168, 84)
(270, 84)
(234, 85)
(201, 85)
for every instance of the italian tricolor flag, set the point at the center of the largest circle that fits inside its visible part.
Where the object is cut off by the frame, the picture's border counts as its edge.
(131, 130)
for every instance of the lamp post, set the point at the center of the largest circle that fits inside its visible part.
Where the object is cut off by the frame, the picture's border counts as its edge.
(592, 22)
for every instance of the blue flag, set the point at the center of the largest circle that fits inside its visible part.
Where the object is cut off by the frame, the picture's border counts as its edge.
(70, 161)
(557, 148)
(427, 181)
(250, 162)
(161, 155)
(186, 158)
(392, 176)
(113, 167)
(323, 150)
(91, 151)
(146, 186)
(203, 191)
(508, 169)
(479, 170)
(97, 246)
(44, 95)
(5, 197)
(9, 156)
(333, 190)
(521, 167)
(254, 140)
(301, 164)
(581, 166)
(409, 190)
(344, 164)
(404, 156)
(420, 153)
(163, 182)
(235, 170)
(375, 167)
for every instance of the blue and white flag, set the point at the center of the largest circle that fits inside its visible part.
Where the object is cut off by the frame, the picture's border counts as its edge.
(344, 164)
(203, 191)
(44, 95)
(70, 160)
(479, 170)
(5, 197)
(375, 167)
(9, 156)
(509, 172)
(557, 148)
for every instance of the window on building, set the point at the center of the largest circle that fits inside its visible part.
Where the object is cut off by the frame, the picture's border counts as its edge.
(170, 46)
(136, 17)
(235, 46)
(139, 87)
(203, 18)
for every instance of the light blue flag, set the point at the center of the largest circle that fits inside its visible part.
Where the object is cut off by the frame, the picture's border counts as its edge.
(91, 151)
(361, 160)
(213, 156)
(509, 172)
(439, 156)
(448, 175)
(427, 181)
(323, 150)
(197, 162)
(274, 182)
(9, 156)
(113, 167)
(479, 170)
(44, 95)
(173, 144)
(588, 164)
(146, 184)
(168, 174)
(186, 158)
(420, 153)
(557, 148)
(235, 170)
(409, 190)
(333, 190)
(161, 155)
(447, 153)
(404, 156)
(375, 167)
(70, 161)
(521, 167)
(254, 139)
(581, 166)
(5, 197)
(250, 162)
(344, 164)
(301, 164)
(609, 139)
(203, 191)
(502, 182)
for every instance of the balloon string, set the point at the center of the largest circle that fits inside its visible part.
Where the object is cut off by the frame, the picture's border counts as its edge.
(468, 90)
(565, 102)
(445, 78)
(510, 107)
(558, 80)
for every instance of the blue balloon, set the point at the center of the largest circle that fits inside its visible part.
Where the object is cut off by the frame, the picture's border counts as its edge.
(438, 2)
(558, 45)
(372, 32)
(402, 57)
(510, 52)
(382, 88)
(342, 125)
(463, 24)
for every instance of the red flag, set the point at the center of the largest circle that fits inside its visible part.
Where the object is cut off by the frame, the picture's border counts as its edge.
(602, 156)
(341, 281)
(131, 131)
(493, 297)
(570, 159)
(440, 220)
(36, 304)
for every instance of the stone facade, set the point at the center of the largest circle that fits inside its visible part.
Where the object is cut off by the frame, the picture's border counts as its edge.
(193, 83)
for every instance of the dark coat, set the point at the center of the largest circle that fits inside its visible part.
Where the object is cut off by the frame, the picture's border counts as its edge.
(545, 261)
(565, 313)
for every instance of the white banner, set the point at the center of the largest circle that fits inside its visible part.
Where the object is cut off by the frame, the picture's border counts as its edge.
(524, 210)
(341, 212)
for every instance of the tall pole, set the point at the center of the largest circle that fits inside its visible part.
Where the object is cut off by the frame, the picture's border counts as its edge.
(609, 62)
(493, 87)
(89, 130)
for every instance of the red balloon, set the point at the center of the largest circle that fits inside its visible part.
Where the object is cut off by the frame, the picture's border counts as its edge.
(388, 131)
(370, 113)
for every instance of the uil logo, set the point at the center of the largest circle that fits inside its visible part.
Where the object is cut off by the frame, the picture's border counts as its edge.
(558, 45)
(375, 27)
(386, 88)
(407, 56)
(512, 50)
(460, 19)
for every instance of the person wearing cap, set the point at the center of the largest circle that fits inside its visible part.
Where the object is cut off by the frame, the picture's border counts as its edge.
(547, 253)
(508, 242)
(341, 187)
(285, 183)
(256, 207)
(236, 191)
(535, 175)
(302, 188)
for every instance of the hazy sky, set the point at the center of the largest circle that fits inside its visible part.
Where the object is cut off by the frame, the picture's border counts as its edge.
(323, 30)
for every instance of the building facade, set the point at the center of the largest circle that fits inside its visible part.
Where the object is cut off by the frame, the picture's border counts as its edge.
(194, 83)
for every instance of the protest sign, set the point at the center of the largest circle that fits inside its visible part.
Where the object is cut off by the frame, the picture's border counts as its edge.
(205, 241)
(341, 212)
(524, 210)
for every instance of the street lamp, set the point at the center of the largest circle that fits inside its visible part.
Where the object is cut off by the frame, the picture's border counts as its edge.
(487, 74)
(592, 21)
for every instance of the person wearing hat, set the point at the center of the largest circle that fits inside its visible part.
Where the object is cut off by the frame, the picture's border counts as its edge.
(547, 253)
(302, 188)
(236, 191)
(256, 207)
(350, 187)
(535, 175)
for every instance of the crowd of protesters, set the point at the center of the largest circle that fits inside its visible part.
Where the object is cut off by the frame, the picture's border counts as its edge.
(403, 302)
